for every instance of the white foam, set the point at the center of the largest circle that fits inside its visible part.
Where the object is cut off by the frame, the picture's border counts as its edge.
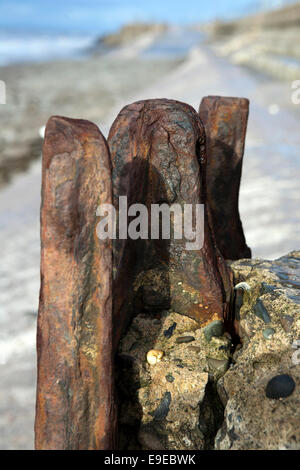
(25, 48)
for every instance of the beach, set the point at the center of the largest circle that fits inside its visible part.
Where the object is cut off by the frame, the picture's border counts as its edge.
(96, 88)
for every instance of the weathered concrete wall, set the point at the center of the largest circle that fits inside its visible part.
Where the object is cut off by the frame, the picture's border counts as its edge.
(261, 390)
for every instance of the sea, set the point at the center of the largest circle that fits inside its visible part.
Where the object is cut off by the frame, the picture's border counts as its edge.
(41, 30)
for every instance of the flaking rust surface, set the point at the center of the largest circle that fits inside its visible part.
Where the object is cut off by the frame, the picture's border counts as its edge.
(75, 402)
(225, 121)
(158, 155)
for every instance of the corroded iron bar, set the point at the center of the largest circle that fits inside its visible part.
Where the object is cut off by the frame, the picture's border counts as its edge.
(158, 155)
(75, 402)
(225, 122)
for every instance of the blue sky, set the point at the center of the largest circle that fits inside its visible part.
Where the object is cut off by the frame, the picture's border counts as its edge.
(98, 16)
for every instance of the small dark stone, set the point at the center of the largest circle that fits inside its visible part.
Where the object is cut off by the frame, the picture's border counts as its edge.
(286, 322)
(169, 332)
(261, 311)
(179, 363)
(185, 339)
(224, 347)
(170, 378)
(232, 435)
(268, 333)
(280, 386)
(163, 408)
(266, 288)
(215, 328)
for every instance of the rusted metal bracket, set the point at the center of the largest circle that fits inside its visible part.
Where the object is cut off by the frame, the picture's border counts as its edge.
(158, 155)
(75, 401)
(225, 121)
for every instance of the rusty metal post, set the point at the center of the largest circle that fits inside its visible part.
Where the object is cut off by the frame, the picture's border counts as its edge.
(158, 156)
(75, 400)
(225, 122)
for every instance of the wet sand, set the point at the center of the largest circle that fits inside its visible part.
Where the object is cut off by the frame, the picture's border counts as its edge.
(269, 205)
(84, 88)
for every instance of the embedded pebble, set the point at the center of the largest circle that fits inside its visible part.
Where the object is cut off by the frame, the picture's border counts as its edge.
(169, 332)
(268, 333)
(220, 365)
(178, 362)
(163, 408)
(256, 365)
(242, 285)
(224, 347)
(267, 288)
(286, 322)
(280, 386)
(195, 349)
(261, 311)
(185, 339)
(232, 434)
(215, 328)
(170, 378)
(154, 356)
